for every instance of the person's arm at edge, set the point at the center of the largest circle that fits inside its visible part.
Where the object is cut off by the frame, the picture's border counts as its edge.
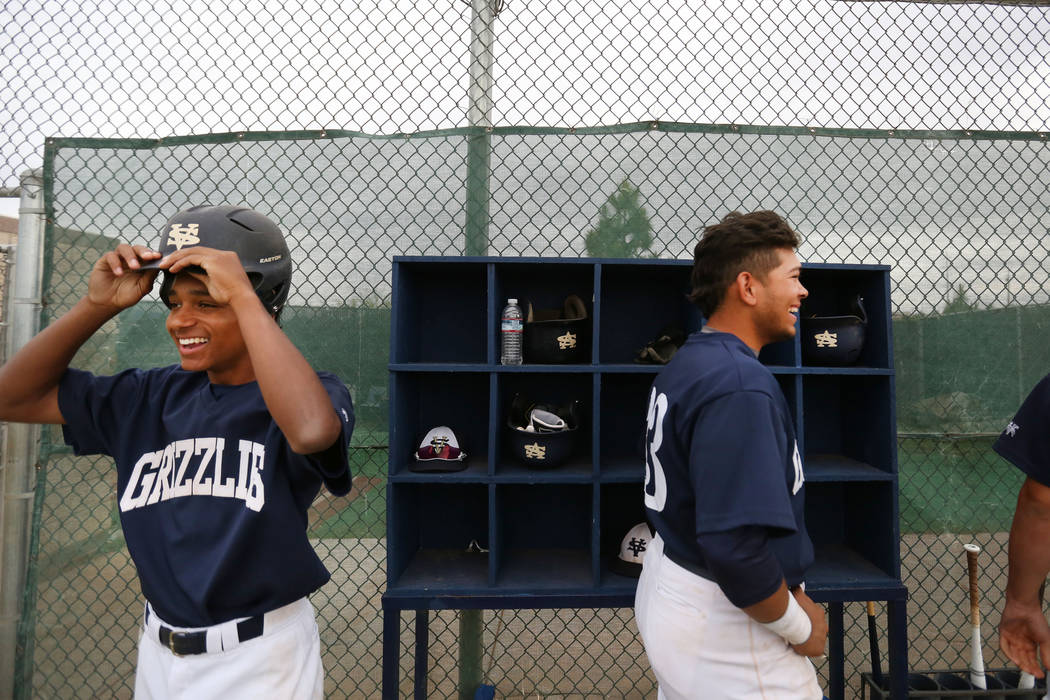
(1023, 630)
(29, 380)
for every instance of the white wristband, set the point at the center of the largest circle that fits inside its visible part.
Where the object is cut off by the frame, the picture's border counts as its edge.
(794, 625)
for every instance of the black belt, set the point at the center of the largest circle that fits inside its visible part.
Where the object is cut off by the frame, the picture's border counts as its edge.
(186, 643)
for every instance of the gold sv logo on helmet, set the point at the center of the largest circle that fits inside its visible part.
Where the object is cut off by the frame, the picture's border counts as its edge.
(179, 236)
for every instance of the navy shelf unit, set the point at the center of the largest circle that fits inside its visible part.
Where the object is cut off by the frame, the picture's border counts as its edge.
(549, 535)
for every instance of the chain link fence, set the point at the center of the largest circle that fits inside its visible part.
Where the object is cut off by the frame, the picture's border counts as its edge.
(908, 134)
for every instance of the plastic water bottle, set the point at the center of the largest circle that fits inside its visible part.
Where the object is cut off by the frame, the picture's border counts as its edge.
(510, 334)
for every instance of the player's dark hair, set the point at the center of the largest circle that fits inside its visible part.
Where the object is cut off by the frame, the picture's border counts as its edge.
(738, 243)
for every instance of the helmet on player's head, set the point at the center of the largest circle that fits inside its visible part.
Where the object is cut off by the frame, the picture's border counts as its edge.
(257, 240)
(834, 340)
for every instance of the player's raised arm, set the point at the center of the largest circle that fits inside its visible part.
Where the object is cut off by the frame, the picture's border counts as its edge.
(29, 380)
(290, 387)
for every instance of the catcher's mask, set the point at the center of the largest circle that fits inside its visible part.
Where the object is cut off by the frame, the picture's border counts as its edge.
(256, 240)
(834, 340)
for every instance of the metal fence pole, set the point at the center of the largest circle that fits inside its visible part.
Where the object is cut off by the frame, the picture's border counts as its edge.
(21, 445)
(479, 148)
(7, 269)
(479, 114)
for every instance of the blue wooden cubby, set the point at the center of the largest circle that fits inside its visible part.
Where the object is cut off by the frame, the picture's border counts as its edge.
(550, 534)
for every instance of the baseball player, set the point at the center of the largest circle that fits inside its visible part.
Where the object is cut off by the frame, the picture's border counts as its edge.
(217, 457)
(720, 604)
(1023, 631)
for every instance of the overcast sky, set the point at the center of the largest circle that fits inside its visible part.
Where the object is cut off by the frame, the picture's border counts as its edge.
(113, 69)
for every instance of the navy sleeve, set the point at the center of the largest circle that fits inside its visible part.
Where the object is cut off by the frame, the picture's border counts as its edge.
(333, 464)
(738, 464)
(744, 566)
(1025, 441)
(87, 404)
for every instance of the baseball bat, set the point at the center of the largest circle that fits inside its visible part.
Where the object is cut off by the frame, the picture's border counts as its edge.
(1027, 680)
(976, 653)
(873, 646)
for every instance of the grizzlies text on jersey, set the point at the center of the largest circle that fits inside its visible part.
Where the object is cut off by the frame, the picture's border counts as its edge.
(212, 499)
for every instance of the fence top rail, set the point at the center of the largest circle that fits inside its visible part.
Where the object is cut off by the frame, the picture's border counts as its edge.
(624, 128)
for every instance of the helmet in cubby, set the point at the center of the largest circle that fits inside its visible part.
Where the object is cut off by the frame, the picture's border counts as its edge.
(557, 336)
(834, 340)
(542, 435)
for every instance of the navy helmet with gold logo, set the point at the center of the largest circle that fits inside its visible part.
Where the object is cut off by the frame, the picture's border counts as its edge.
(256, 239)
(834, 340)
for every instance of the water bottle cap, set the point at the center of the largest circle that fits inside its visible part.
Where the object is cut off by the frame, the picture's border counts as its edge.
(512, 301)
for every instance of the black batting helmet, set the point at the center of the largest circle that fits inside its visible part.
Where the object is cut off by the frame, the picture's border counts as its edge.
(542, 435)
(257, 240)
(834, 340)
(557, 336)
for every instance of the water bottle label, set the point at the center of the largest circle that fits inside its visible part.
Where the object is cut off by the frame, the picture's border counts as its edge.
(512, 324)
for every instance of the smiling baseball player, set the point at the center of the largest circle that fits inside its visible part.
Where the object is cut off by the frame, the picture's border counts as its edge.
(719, 603)
(218, 457)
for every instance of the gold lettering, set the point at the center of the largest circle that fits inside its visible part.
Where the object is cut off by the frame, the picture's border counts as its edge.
(179, 236)
(827, 339)
(535, 451)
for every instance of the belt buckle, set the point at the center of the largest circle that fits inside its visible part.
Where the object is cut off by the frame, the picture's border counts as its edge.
(171, 643)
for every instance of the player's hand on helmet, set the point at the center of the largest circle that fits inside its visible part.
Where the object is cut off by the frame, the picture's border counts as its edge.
(116, 279)
(226, 279)
(818, 638)
(1024, 635)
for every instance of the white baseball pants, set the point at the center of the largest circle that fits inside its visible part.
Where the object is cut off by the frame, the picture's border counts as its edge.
(702, 647)
(285, 662)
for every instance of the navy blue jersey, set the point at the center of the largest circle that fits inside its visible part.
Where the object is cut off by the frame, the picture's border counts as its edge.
(1026, 441)
(721, 453)
(212, 499)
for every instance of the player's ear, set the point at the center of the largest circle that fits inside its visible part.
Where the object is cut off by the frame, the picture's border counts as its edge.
(744, 288)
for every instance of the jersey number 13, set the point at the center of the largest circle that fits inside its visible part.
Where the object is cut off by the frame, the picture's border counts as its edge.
(655, 489)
